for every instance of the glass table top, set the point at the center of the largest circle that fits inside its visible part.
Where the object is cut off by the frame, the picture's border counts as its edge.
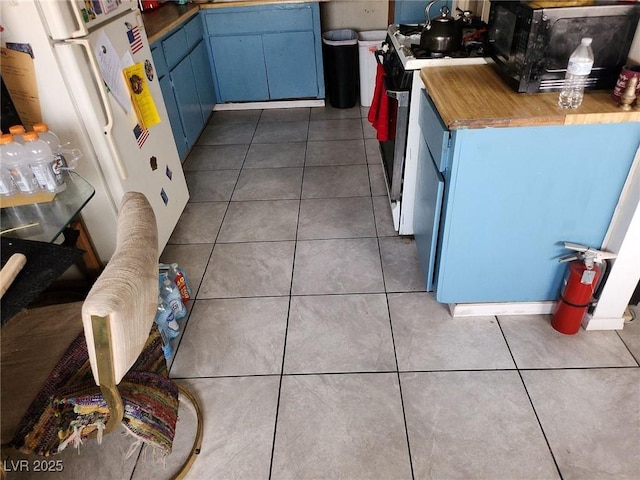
(47, 220)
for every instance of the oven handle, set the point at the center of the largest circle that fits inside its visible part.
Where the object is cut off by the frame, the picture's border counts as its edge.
(402, 124)
(402, 96)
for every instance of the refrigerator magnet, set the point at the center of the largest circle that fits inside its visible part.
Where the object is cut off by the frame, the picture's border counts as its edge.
(134, 37)
(153, 163)
(148, 70)
(141, 135)
(163, 194)
(169, 173)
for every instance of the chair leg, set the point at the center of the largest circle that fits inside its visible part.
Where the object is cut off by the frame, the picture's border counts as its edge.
(197, 442)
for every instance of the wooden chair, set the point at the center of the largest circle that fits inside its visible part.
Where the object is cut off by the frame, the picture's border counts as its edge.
(116, 316)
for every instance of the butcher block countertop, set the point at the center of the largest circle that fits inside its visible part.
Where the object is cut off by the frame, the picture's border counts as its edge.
(162, 20)
(474, 96)
(169, 15)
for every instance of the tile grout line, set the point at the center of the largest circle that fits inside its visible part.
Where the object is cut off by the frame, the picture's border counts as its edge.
(637, 360)
(526, 390)
(393, 341)
(299, 199)
(195, 297)
(215, 242)
(286, 331)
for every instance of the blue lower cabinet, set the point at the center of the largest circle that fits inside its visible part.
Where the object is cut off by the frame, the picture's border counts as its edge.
(174, 116)
(184, 70)
(266, 52)
(512, 196)
(185, 89)
(292, 72)
(240, 69)
(429, 193)
(204, 79)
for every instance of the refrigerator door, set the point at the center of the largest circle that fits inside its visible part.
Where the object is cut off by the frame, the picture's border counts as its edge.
(134, 152)
(76, 18)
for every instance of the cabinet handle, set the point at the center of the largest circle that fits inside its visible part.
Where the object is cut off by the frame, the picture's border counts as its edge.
(108, 126)
(402, 123)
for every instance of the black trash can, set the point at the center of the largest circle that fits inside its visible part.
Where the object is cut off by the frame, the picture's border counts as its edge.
(340, 53)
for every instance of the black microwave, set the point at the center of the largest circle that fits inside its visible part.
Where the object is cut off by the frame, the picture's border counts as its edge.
(530, 42)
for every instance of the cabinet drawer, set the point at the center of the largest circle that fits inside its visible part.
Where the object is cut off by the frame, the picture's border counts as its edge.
(194, 31)
(175, 48)
(434, 132)
(234, 21)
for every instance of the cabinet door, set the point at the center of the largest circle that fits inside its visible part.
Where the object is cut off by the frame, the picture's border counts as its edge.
(186, 93)
(515, 194)
(175, 47)
(428, 206)
(174, 115)
(239, 66)
(204, 79)
(158, 60)
(413, 11)
(434, 132)
(291, 64)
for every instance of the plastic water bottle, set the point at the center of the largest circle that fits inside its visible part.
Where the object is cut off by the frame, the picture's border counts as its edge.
(54, 143)
(578, 70)
(18, 132)
(171, 295)
(7, 187)
(167, 326)
(166, 319)
(42, 163)
(14, 157)
(179, 277)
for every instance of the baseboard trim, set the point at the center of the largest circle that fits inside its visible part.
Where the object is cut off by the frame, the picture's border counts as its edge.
(602, 323)
(487, 309)
(267, 105)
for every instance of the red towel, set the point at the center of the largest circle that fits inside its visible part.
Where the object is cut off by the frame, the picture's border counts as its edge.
(379, 110)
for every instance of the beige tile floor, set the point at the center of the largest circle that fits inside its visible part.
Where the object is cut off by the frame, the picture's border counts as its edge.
(315, 353)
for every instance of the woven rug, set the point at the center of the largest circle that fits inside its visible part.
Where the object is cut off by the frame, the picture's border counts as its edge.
(70, 406)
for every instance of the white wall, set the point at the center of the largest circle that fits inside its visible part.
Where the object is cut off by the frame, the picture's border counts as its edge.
(363, 15)
(358, 15)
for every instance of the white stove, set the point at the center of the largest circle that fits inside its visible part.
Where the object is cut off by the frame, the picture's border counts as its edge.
(400, 154)
(402, 44)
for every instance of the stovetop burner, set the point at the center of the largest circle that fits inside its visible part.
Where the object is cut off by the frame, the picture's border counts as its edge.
(473, 43)
(422, 53)
(408, 30)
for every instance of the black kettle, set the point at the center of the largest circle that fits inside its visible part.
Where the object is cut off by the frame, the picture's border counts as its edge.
(440, 34)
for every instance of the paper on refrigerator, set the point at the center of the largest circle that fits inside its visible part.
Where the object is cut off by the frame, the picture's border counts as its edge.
(143, 103)
(111, 68)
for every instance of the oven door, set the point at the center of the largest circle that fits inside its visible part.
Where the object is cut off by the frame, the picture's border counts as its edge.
(393, 149)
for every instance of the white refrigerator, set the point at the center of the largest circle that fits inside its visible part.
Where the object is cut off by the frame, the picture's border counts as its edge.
(81, 51)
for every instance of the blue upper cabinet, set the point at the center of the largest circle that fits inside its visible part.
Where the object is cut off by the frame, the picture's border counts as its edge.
(412, 11)
(268, 52)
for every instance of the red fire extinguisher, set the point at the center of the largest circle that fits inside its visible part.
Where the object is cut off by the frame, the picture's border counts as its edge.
(579, 285)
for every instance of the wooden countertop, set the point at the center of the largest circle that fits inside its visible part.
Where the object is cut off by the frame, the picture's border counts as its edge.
(165, 18)
(169, 15)
(474, 96)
